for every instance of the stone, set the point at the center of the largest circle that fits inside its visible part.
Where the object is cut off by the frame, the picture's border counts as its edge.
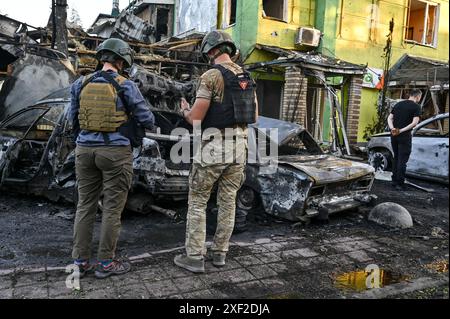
(391, 215)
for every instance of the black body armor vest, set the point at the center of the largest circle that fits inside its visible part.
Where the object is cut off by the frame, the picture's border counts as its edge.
(238, 106)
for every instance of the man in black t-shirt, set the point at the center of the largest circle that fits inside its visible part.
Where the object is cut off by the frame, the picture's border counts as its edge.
(403, 118)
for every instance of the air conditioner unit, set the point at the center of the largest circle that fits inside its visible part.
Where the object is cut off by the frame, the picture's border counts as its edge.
(308, 36)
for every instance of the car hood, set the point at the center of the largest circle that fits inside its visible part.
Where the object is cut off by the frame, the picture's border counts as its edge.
(324, 169)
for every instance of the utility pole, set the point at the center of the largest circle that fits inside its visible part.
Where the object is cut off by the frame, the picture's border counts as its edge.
(387, 63)
(59, 20)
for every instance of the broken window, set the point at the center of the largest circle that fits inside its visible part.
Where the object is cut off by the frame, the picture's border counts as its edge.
(162, 20)
(422, 22)
(229, 9)
(275, 9)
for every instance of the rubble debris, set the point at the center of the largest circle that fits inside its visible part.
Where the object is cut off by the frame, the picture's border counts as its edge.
(425, 189)
(438, 232)
(130, 27)
(438, 266)
(391, 215)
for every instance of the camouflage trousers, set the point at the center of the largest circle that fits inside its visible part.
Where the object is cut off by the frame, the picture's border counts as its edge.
(229, 178)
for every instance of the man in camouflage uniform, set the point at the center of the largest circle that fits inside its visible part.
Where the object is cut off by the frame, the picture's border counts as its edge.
(225, 104)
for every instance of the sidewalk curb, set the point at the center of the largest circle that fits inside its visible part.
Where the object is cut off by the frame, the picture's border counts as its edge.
(401, 288)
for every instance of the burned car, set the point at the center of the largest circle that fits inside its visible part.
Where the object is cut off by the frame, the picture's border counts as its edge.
(304, 182)
(429, 155)
(37, 157)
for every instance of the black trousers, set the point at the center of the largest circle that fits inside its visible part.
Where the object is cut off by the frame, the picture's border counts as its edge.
(401, 145)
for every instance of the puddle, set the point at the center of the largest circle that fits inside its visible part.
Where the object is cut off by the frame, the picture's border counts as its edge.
(360, 281)
(438, 266)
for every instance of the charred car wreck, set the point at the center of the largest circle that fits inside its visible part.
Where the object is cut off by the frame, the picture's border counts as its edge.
(37, 157)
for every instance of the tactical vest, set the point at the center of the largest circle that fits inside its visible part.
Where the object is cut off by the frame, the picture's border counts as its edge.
(238, 105)
(98, 106)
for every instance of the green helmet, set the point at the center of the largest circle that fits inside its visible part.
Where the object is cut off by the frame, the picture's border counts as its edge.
(117, 46)
(216, 38)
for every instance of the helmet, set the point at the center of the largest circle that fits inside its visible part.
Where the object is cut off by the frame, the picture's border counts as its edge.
(216, 38)
(117, 46)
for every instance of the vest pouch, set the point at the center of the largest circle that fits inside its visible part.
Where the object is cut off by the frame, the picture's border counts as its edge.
(244, 106)
(133, 130)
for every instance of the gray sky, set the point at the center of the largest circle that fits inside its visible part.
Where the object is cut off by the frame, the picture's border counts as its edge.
(37, 12)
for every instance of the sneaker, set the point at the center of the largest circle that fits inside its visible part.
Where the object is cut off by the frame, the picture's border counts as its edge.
(219, 259)
(114, 268)
(85, 268)
(189, 263)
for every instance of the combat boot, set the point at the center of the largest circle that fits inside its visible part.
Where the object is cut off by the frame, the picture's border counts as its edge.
(189, 263)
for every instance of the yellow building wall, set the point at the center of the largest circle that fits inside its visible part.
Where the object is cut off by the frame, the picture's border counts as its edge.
(282, 33)
(361, 37)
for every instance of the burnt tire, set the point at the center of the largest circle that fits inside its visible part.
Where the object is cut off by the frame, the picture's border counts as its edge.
(380, 159)
(240, 221)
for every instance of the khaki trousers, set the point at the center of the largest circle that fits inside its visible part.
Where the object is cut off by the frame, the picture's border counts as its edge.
(106, 170)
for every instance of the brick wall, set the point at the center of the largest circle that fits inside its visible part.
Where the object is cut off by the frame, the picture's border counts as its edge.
(353, 111)
(294, 97)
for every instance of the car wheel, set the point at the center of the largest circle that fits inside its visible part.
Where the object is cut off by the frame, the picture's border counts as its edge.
(240, 221)
(246, 199)
(380, 160)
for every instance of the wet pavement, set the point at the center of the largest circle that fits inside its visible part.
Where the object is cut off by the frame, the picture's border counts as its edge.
(272, 259)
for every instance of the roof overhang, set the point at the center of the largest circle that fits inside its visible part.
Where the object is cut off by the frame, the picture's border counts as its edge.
(308, 60)
(418, 71)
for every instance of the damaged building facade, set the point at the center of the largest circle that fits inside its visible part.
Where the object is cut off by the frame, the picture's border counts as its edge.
(156, 20)
(28, 66)
(324, 34)
(419, 49)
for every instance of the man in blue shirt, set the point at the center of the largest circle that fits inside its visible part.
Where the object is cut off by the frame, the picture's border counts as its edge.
(101, 104)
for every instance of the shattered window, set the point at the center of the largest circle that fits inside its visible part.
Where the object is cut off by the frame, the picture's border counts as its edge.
(229, 10)
(49, 120)
(24, 120)
(438, 128)
(275, 9)
(301, 144)
(422, 22)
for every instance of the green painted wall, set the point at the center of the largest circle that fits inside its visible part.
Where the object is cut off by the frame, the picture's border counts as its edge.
(326, 21)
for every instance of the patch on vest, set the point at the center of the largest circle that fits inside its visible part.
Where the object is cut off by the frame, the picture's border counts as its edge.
(243, 84)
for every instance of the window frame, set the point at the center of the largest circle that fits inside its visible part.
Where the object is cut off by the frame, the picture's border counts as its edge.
(226, 16)
(425, 24)
(285, 12)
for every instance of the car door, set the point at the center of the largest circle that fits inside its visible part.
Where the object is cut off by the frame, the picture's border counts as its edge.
(430, 156)
(19, 134)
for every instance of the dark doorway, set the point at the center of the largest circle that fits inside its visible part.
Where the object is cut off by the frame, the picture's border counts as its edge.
(162, 20)
(269, 97)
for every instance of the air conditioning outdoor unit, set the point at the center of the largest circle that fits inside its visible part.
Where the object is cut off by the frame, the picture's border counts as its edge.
(308, 36)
